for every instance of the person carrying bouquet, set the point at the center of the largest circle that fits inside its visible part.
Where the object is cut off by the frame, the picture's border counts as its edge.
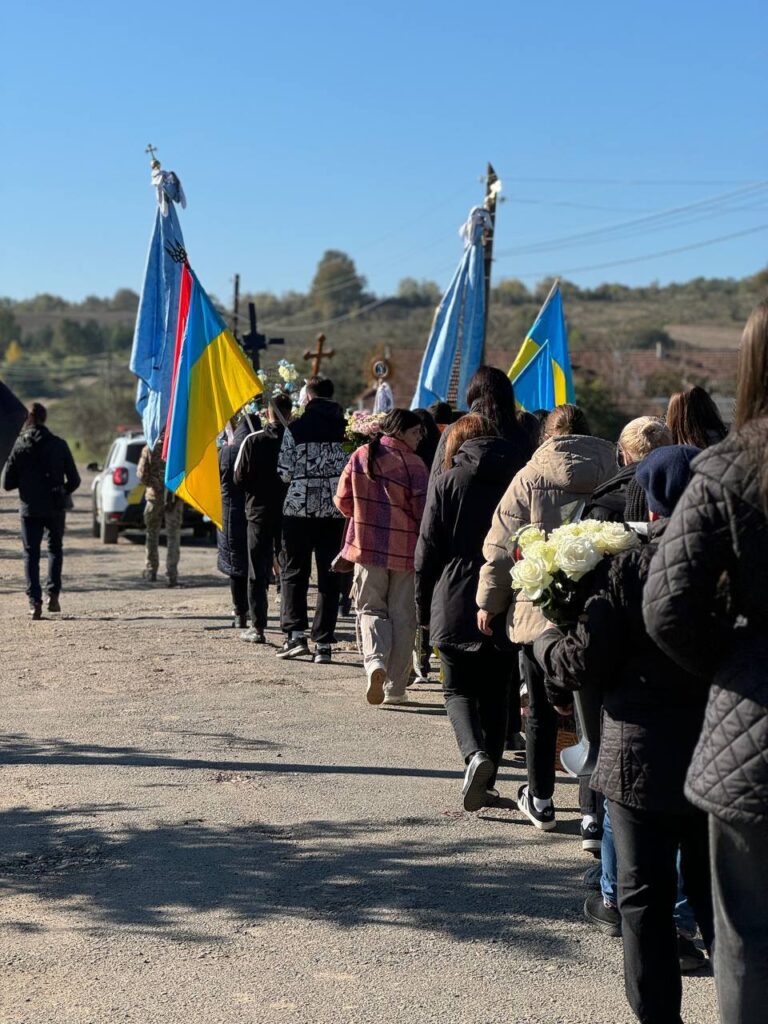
(382, 491)
(563, 473)
(652, 717)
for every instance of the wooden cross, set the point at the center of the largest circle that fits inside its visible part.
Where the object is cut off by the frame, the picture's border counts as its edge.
(318, 355)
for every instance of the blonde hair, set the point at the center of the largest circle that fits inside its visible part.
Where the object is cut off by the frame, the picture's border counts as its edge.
(643, 434)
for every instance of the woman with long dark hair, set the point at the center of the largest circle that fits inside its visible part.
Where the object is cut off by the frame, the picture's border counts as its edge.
(479, 465)
(382, 492)
(706, 605)
(694, 419)
(490, 394)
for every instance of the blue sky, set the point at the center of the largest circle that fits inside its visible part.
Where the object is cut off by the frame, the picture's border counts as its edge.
(301, 126)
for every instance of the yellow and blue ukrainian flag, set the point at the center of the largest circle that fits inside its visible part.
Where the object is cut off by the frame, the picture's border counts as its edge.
(213, 379)
(541, 373)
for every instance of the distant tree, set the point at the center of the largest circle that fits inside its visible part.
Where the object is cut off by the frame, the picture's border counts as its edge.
(510, 292)
(336, 287)
(9, 327)
(411, 292)
(13, 353)
(594, 397)
(650, 337)
(45, 303)
(72, 338)
(125, 300)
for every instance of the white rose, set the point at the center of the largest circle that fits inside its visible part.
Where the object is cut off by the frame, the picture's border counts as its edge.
(542, 551)
(614, 537)
(569, 530)
(529, 535)
(576, 556)
(530, 575)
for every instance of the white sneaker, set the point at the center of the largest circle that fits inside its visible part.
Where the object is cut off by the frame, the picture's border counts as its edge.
(395, 698)
(377, 676)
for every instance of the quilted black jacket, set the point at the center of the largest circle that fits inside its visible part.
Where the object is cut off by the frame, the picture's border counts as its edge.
(718, 540)
(652, 711)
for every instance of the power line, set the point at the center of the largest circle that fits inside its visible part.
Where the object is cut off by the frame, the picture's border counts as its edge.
(638, 259)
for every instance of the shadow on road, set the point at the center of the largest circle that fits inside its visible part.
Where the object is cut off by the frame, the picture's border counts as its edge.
(347, 874)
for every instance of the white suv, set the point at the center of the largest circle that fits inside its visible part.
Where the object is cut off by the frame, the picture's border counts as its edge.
(118, 497)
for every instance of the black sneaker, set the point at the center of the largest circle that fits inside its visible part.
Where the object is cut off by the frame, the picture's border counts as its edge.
(492, 797)
(297, 648)
(591, 877)
(607, 919)
(591, 838)
(545, 820)
(53, 603)
(475, 790)
(322, 654)
(691, 957)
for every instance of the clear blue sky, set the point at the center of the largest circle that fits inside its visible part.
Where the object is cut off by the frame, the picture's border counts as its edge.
(301, 126)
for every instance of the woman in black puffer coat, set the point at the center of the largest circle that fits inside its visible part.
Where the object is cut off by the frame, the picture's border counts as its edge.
(652, 715)
(477, 670)
(232, 539)
(706, 605)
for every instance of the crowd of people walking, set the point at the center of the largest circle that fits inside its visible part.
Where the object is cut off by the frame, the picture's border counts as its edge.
(420, 529)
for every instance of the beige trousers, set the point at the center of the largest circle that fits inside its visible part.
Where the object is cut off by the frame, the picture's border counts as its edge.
(386, 609)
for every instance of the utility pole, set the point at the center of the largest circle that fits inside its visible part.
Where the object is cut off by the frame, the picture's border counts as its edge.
(492, 189)
(236, 308)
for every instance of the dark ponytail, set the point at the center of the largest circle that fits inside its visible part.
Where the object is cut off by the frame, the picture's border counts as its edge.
(394, 423)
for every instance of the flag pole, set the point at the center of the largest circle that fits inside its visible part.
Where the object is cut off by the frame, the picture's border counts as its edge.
(552, 291)
(490, 204)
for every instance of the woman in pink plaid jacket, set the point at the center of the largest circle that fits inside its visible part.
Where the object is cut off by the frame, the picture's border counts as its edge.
(382, 491)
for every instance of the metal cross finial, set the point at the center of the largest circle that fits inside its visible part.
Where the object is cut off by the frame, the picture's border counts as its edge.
(152, 150)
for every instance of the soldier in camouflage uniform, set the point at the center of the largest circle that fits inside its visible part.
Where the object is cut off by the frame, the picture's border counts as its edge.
(160, 504)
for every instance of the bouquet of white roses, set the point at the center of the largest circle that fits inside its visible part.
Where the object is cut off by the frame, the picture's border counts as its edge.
(549, 569)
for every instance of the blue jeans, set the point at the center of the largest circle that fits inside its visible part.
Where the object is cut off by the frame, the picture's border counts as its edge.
(684, 917)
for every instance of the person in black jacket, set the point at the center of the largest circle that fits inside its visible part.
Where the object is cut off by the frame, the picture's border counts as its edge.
(706, 605)
(256, 473)
(652, 715)
(448, 560)
(232, 538)
(42, 468)
(639, 437)
(310, 463)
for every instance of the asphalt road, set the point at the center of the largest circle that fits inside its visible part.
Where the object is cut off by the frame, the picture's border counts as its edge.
(195, 831)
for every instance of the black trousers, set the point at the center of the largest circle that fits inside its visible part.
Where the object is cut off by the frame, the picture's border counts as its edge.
(476, 688)
(514, 718)
(739, 859)
(238, 588)
(647, 843)
(540, 729)
(263, 540)
(32, 530)
(301, 537)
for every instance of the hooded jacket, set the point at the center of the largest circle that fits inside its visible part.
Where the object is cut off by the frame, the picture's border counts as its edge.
(256, 472)
(42, 467)
(456, 520)
(706, 605)
(232, 538)
(560, 478)
(311, 460)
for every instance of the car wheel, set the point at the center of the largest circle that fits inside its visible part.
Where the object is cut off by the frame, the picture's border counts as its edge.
(108, 531)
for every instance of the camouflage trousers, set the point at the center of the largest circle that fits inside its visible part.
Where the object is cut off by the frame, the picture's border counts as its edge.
(154, 512)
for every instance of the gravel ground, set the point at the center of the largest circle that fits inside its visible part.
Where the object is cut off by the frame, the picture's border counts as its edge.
(195, 830)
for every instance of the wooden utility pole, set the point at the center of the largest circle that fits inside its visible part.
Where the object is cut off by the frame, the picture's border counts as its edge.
(492, 189)
(236, 308)
(319, 354)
